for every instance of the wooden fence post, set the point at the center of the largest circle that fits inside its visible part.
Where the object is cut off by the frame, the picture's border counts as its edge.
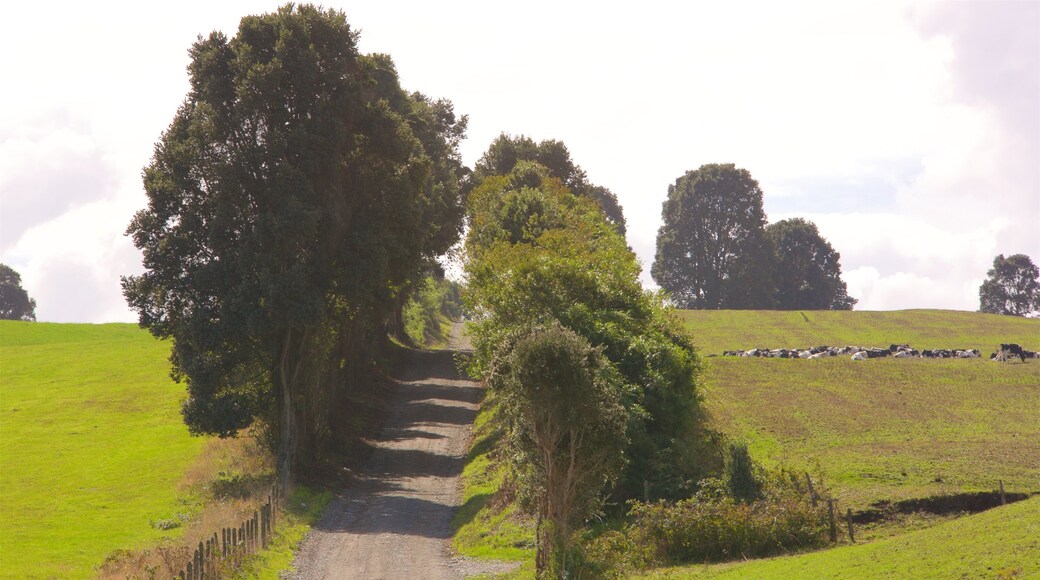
(1003, 500)
(263, 527)
(834, 527)
(852, 537)
(812, 491)
(207, 560)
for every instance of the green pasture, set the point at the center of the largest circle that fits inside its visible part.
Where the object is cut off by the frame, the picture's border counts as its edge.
(1000, 543)
(92, 446)
(717, 330)
(881, 428)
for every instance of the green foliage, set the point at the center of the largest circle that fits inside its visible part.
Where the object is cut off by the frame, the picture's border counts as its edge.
(421, 313)
(997, 543)
(701, 529)
(712, 525)
(432, 301)
(93, 447)
(807, 271)
(506, 153)
(711, 249)
(715, 251)
(741, 479)
(296, 191)
(561, 399)
(1012, 287)
(582, 275)
(15, 303)
(711, 529)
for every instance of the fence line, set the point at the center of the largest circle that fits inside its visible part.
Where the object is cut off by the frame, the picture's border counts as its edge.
(224, 551)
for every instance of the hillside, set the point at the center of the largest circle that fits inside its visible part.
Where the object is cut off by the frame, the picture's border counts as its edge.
(1003, 542)
(884, 428)
(92, 445)
(718, 330)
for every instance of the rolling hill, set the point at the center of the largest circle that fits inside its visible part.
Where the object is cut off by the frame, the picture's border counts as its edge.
(883, 428)
(92, 446)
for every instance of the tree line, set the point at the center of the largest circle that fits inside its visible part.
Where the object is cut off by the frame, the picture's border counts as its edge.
(597, 383)
(715, 250)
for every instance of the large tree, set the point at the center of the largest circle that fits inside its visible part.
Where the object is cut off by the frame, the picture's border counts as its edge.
(711, 248)
(506, 151)
(1011, 287)
(15, 303)
(807, 270)
(296, 191)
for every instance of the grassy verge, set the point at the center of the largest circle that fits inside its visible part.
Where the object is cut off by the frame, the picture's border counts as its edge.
(301, 511)
(1000, 543)
(488, 524)
(92, 445)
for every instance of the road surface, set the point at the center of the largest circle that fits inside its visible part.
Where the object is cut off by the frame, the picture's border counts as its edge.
(395, 520)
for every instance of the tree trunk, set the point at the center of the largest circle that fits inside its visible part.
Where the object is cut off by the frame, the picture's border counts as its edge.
(287, 441)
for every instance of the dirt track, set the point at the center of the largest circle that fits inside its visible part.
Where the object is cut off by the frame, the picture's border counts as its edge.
(395, 521)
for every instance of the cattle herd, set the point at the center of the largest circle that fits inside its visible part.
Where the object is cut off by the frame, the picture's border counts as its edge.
(1007, 352)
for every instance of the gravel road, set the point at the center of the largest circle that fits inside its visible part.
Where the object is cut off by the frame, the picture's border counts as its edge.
(395, 520)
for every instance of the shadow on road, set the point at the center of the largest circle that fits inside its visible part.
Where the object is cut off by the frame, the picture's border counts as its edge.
(425, 517)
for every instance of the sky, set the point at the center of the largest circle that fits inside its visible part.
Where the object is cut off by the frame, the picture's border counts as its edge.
(909, 132)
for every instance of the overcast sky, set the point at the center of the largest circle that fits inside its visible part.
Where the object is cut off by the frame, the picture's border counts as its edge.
(908, 132)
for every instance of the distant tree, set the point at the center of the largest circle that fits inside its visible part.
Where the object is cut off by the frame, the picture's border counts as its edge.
(807, 270)
(1012, 287)
(561, 398)
(15, 303)
(297, 189)
(711, 248)
(505, 152)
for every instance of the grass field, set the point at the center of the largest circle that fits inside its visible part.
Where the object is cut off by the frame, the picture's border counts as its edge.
(1000, 543)
(92, 446)
(718, 330)
(883, 428)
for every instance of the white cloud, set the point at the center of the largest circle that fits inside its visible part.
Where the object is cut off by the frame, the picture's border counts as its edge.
(894, 261)
(908, 133)
(903, 290)
(71, 264)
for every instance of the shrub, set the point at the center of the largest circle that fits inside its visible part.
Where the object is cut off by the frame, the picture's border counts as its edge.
(701, 530)
(712, 527)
